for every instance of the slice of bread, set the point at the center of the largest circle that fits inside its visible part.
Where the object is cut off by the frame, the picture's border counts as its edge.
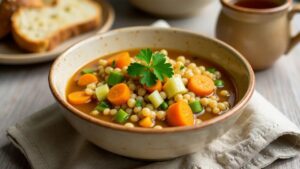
(8, 7)
(42, 29)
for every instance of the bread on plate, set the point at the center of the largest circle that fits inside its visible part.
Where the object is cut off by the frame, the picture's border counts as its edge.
(42, 29)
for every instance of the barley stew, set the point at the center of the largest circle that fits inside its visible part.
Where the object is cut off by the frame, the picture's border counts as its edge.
(151, 89)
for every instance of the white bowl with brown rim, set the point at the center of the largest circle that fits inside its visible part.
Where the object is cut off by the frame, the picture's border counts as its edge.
(148, 143)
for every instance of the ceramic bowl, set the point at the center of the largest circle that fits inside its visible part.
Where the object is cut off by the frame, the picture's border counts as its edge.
(145, 143)
(171, 8)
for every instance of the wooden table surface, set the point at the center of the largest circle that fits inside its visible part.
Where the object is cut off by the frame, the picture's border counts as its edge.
(24, 89)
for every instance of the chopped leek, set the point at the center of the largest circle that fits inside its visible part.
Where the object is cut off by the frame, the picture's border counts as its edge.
(174, 86)
(101, 92)
(101, 106)
(115, 78)
(219, 83)
(211, 70)
(155, 99)
(121, 116)
(87, 71)
(196, 107)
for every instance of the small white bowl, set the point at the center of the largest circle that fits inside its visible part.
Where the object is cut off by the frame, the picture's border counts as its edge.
(145, 143)
(171, 8)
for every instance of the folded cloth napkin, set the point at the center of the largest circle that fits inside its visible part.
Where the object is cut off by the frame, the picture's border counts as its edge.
(260, 136)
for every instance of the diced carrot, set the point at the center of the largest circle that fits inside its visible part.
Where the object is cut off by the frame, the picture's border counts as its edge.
(146, 122)
(157, 86)
(201, 85)
(87, 79)
(119, 94)
(79, 97)
(180, 114)
(121, 60)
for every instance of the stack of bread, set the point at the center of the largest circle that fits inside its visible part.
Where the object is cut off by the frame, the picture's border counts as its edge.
(41, 25)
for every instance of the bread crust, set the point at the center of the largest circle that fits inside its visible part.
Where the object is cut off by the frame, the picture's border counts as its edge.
(8, 7)
(58, 36)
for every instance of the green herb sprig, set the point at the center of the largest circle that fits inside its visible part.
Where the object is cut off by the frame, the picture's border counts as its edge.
(152, 67)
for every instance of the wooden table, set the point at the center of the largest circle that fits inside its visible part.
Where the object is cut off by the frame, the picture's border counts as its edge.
(24, 89)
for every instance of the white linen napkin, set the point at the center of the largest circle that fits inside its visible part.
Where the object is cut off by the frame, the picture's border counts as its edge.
(261, 135)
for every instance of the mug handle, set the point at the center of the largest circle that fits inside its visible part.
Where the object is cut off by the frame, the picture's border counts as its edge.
(296, 39)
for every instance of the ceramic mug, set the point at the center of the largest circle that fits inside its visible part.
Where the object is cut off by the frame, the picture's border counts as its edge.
(261, 34)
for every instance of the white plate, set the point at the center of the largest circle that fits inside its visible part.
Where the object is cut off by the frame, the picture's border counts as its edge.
(10, 53)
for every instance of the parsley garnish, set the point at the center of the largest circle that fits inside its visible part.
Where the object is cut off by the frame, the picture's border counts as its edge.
(113, 64)
(138, 103)
(152, 68)
(181, 67)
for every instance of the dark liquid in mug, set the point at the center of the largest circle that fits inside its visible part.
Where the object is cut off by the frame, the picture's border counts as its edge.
(262, 4)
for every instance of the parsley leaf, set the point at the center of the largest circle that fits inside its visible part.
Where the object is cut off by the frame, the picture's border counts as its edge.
(158, 58)
(153, 67)
(113, 64)
(148, 78)
(145, 55)
(163, 70)
(181, 67)
(136, 69)
(138, 103)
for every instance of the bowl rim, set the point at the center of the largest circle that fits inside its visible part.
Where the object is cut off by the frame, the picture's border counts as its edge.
(239, 105)
(279, 8)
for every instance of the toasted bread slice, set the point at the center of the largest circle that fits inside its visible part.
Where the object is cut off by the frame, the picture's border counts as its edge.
(8, 7)
(42, 29)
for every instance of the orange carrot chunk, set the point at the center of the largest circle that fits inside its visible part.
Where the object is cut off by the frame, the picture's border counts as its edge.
(78, 97)
(201, 85)
(87, 79)
(119, 94)
(157, 86)
(180, 114)
(146, 122)
(121, 60)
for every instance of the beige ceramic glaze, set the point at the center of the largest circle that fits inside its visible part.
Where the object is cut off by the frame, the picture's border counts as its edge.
(261, 35)
(171, 8)
(145, 143)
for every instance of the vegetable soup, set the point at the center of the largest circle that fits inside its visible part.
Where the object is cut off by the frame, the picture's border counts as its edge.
(151, 89)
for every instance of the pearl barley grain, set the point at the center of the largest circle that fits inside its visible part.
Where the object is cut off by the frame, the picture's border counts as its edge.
(161, 115)
(213, 103)
(198, 121)
(137, 109)
(204, 101)
(163, 95)
(129, 125)
(224, 93)
(128, 110)
(134, 118)
(131, 103)
(146, 112)
(95, 112)
(157, 127)
(113, 112)
(102, 62)
(106, 111)
(181, 59)
(141, 91)
(108, 70)
(216, 110)
(178, 97)
(89, 91)
(221, 106)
